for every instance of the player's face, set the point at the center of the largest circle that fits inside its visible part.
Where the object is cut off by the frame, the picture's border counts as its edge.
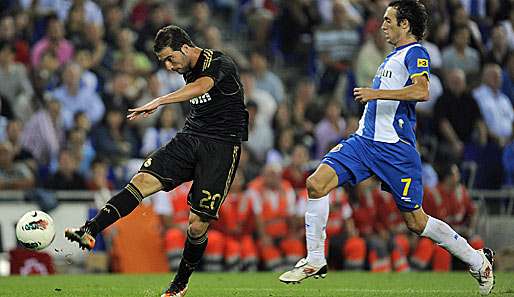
(174, 60)
(390, 26)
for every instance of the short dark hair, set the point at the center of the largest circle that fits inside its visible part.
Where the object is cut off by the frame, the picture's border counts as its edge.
(173, 37)
(413, 11)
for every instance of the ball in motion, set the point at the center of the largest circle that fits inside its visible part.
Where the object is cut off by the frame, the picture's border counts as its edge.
(35, 230)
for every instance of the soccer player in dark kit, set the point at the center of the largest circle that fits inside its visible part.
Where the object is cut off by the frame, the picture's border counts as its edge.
(206, 150)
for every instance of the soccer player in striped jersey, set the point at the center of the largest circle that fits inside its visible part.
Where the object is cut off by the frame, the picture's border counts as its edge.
(385, 146)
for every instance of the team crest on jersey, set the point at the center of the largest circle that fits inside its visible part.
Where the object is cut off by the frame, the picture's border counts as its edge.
(201, 99)
(148, 162)
(336, 148)
(422, 63)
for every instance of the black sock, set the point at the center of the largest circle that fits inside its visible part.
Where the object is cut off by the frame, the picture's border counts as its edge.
(117, 207)
(193, 252)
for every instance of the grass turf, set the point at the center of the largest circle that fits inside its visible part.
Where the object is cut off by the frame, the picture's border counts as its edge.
(256, 284)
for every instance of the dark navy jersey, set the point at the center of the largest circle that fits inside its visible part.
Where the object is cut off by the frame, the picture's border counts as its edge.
(220, 113)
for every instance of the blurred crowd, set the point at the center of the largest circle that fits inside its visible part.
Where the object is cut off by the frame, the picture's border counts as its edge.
(70, 69)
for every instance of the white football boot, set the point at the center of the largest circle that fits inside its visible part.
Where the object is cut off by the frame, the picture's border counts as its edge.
(303, 270)
(484, 275)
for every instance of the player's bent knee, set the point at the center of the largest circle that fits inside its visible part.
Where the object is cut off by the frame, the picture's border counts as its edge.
(197, 226)
(316, 188)
(415, 226)
(146, 183)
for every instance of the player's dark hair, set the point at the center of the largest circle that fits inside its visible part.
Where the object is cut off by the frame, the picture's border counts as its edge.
(173, 37)
(414, 12)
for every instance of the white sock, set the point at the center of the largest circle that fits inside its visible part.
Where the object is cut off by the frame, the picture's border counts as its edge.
(445, 236)
(316, 217)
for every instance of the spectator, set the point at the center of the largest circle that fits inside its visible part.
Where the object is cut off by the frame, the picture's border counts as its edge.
(371, 54)
(266, 104)
(75, 25)
(460, 18)
(265, 79)
(80, 149)
(13, 176)
(8, 34)
(454, 130)
(162, 133)
(114, 21)
(331, 129)
(495, 106)
(153, 90)
(508, 78)
(75, 97)
(126, 52)
(112, 138)
(307, 108)
(295, 25)
(67, 176)
(200, 20)
(281, 152)
(498, 50)
(297, 171)
(160, 14)
(212, 37)
(101, 59)
(5, 109)
(337, 45)
(43, 134)
(508, 163)
(88, 78)
(508, 25)
(460, 55)
(260, 135)
(45, 77)
(273, 200)
(53, 41)
(15, 85)
(14, 132)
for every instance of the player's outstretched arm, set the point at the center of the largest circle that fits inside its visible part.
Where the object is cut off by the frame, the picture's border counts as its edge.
(187, 92)
(418, 91)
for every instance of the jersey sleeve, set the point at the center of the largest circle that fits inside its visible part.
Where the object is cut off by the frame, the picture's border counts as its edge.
(417, 62)
(215, 68)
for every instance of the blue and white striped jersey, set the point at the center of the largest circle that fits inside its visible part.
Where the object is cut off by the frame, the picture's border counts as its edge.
(393, 120)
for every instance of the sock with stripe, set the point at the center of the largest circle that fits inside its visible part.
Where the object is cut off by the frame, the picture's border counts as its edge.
(191, 256)
(117, 207)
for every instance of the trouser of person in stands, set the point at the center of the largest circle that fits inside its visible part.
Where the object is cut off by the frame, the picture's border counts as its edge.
(347, 253)
(428, 255)
(280, 253)
(388, 254)
(223, 252)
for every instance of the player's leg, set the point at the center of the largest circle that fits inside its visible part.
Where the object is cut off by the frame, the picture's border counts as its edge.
(213, 175)
(194, 249)
(342, 164)
(165, 169)
(480, 261)
(120, 205)
(399, 167)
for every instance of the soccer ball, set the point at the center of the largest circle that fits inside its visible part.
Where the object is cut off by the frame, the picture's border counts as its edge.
(35, 230)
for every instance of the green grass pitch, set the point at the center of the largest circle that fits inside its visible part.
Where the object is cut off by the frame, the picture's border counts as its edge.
(256, 284)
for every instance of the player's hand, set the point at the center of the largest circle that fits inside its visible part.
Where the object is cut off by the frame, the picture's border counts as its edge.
(363, 95)
(144, 110)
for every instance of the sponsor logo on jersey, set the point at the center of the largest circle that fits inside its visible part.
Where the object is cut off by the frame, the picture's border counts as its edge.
(148, 162)
(385, 73)
(422, 63)
(336, 148)
(201, 99)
